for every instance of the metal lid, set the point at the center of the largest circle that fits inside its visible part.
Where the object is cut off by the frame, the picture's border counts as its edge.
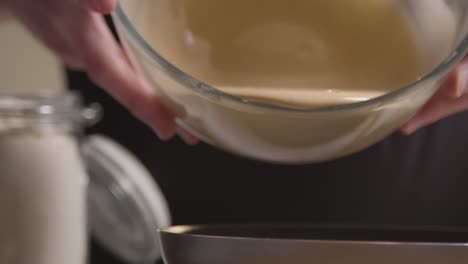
(126, 206)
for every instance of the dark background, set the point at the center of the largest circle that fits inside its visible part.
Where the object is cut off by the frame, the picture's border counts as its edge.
(412, 181)
(419, 180)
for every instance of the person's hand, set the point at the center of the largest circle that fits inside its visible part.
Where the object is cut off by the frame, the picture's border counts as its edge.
(76, 31)
(451, 98)
(4, 13)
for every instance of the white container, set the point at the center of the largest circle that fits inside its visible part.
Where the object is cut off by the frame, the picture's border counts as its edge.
(46, 187)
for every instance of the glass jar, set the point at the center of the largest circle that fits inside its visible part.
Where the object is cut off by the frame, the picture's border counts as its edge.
(56, 184)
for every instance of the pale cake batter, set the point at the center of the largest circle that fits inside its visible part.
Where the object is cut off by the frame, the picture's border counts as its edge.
(295, 52)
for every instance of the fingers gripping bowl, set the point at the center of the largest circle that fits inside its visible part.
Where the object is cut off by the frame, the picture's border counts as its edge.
(275, 132)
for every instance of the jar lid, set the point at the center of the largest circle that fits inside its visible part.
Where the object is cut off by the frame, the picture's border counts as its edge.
(126, 206)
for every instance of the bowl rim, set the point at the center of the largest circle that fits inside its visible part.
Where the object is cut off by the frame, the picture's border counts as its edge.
(181, 231)
(206, 90)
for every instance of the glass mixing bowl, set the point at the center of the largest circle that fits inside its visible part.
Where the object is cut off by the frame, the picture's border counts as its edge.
(280, 134)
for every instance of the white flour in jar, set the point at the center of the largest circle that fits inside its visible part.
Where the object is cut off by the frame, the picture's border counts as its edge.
(42, 195)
